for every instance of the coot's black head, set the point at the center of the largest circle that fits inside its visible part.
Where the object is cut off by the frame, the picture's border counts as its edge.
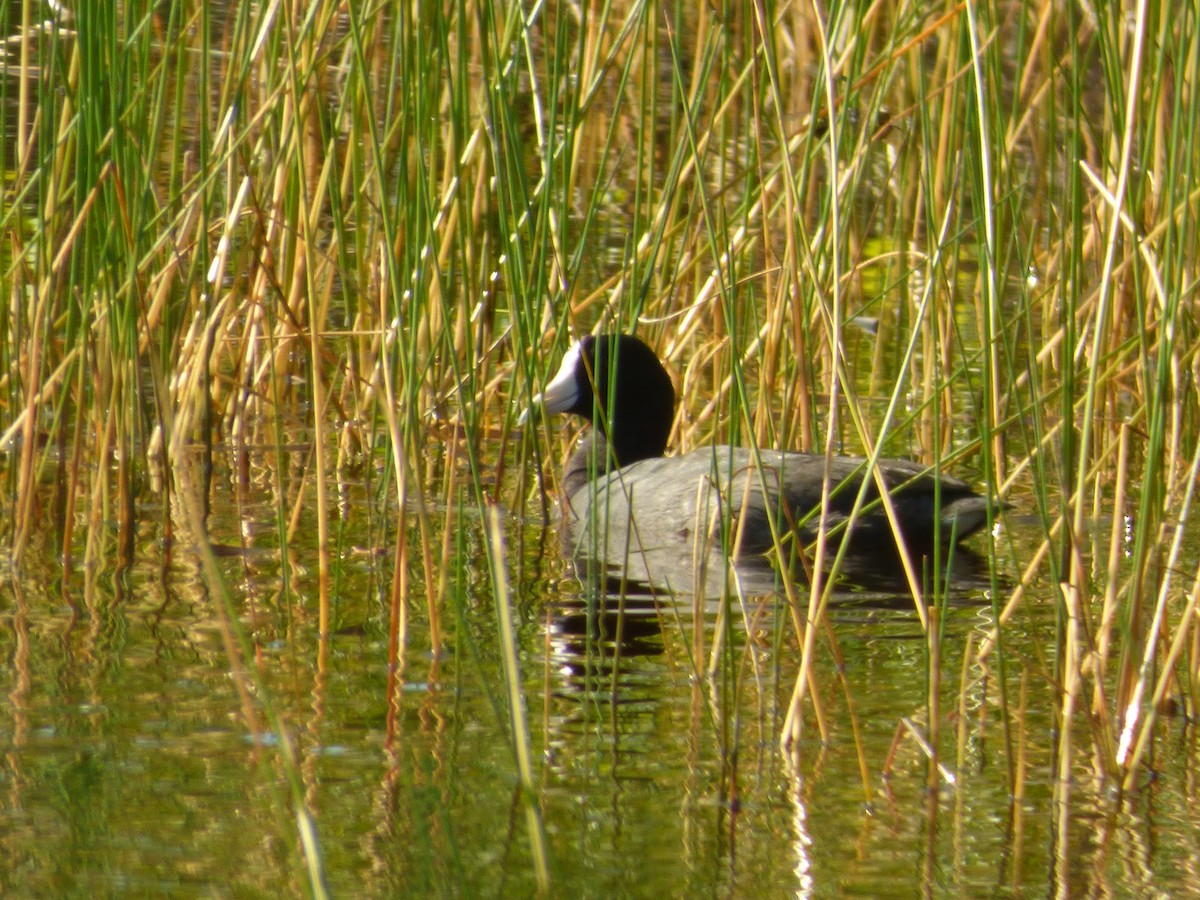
(618, 384)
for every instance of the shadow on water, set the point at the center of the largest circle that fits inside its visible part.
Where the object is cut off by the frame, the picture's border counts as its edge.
(623, 606)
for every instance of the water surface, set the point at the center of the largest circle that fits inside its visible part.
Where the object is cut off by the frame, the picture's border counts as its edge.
(130, 768)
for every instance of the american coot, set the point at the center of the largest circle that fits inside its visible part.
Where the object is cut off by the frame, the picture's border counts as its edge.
(618, 477)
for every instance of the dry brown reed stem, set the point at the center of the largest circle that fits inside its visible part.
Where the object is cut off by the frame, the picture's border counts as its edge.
(381, 380)
(832, 318)
(311, 178)
(962, 736)
(46, 285)
(398, 618)
(800, 615)
(699, 636)
(320, 469)
(933, 695)
(26, 77)
(1033, 568)
(437, 585)
(94, 551)
(1077, 573)
(430, 569)
(1168, 674)
(1068, 694)
(70, 484)
(1018, 755)
(125, 500)
(26, 483)
(1137, 724)
(940, 772)
(1112, 577)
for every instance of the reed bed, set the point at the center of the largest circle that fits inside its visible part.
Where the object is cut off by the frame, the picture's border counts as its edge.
(964, 234)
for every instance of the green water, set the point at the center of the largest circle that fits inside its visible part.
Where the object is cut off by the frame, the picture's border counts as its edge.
(129, 769)
(139, 761)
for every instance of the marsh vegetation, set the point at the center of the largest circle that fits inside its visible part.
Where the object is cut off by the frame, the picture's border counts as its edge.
(280, 281)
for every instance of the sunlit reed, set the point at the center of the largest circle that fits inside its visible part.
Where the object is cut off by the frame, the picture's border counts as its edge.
(965, 235)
